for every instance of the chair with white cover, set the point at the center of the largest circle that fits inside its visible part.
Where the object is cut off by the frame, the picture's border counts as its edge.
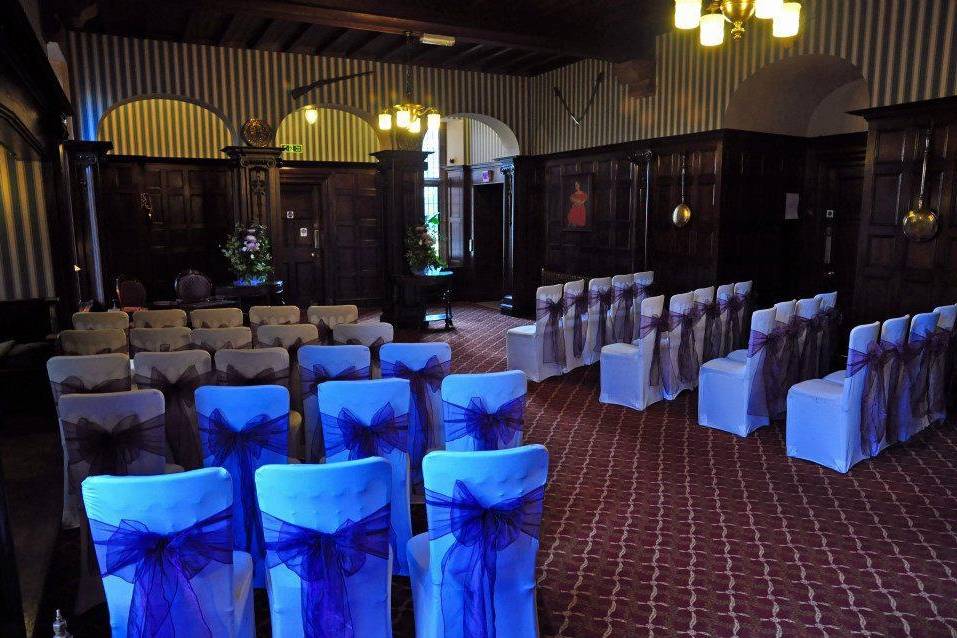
(601, 298)
(89, 374)
(824, 325)
(84, 342)
(643, 281)
(328, 553)
(159, 340)
(169, 538)
(212, 340)
(473, 572)
(826, 422)
(373, 335)
(216, 318)
(272, 316)
(623, 325)
(707, 324)
(177, 375)
(575, 323)
(895, 353)
(424, 366)
(939, 363)
(631, 374)
(109, 320)
(730, 392)
(318, 364)
(242, 429)
(539, 349)
(325, 318)
(803, 363)
(922, 343)
(484, 411)
(678, 350)
(371, 418)
(113, 433)
(738, 308)
(291, 337)
(171, 318)
(724, 298)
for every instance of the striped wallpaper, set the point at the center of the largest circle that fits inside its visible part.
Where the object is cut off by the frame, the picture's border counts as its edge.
(26, 270)
(337, 136)
(164, 128)
(695, 84)
(482, 144)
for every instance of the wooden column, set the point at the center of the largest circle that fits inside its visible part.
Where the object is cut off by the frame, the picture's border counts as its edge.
(83, 161)
(256, 183)
(523, 230)
(400, 184)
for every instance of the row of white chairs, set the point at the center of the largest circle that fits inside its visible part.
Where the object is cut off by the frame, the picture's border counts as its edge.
(670, 345)
(894, 386)
(323, 317)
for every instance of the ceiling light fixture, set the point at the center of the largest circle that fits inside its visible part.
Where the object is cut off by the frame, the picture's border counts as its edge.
(437, 40)
(786, 17)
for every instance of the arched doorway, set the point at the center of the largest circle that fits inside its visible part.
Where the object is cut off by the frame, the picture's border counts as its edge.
(159, 126)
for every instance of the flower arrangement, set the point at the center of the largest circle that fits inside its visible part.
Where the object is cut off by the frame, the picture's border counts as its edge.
(420, 251)
(249, 253)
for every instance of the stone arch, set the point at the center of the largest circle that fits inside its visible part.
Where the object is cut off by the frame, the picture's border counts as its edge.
(342, 134)
(800, 95)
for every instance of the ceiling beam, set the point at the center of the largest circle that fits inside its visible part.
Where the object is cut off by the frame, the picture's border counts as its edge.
(362, 40)
(256, 37)
(520, 60)
(300, 32)
(330, 40)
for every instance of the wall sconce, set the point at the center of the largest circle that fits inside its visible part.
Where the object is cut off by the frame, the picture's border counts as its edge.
(921, 223)
(682, 212)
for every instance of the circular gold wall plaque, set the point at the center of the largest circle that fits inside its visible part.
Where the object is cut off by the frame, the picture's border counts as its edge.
(257, 133)
(681, 215)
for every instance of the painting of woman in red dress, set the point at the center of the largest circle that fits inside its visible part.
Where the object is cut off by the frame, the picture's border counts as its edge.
(577, 193)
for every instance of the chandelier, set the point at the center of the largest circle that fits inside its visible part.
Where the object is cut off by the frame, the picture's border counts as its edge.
(404, 120)
(785, 17)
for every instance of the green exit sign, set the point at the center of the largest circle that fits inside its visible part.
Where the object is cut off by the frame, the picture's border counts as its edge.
(292, 148)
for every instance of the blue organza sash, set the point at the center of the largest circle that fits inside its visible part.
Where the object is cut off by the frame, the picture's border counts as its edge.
(490, 430)
(623, 317)
(347, 432)
(553, 341)
(160, 568)
(423, 382)
(578, 304)
(874, 396)
(324, 561)
(469, 565)
(178, 394)
(111, 450)
(310, 378)
(603, 298)
(240, 453)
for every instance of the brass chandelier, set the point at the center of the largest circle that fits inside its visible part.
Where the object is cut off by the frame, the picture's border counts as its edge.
(785, 17)
(404, 120)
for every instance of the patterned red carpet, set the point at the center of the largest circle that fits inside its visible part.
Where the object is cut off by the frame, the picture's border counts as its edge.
(655, 526)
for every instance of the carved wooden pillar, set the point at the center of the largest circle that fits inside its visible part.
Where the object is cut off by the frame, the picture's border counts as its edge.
(83, 160)
(523, 229)
(256, 180)
(400, 184)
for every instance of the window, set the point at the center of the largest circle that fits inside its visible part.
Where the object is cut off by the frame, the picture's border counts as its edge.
(433, 182)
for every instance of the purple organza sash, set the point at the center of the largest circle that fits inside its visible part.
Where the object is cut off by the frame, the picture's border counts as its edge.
(75, 353)
(181, 432)
(228, 345)
(687, 364)
(310, 378)
(469, 566)
(240, 452)
(374, 347)
(218, 326)
(873, 362)
(660, 371)
(324, 561)
(386, 433)
(810, 364)
(768, 387)
(160, 568)
(828, 319)
(489, 430)
(793, 330)
(553, 341)
(293, 347)
(423, 383)
(603, 298)
(325, 332)
(938, 344)
(104, 450)
(163, 347)
(733, 306)
(917, 372)
(710, 311)
(267, 376)
(76, 385)
(897, 389)
(623, 316)
(578, 304)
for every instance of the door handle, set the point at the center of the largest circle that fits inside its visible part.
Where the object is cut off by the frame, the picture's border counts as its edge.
(315, 239)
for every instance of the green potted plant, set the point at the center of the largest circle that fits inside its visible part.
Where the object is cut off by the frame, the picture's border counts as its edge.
(420, 251)
(249, 253)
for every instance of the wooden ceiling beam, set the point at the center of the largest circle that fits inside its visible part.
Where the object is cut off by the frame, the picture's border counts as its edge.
(521, 60)
(296, 37)
(256, 37)
(330, 40)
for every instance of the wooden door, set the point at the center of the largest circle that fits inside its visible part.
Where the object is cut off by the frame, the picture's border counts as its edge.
(298, 242)
(487, 230)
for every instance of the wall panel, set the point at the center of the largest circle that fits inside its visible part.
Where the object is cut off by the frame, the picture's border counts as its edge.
(26, 269)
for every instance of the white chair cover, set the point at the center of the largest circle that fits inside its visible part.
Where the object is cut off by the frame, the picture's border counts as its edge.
(601, 297)
(213, 340)
(484, 411)
(177, 375)
(159, 340)
(939, 364)
(824, 418)
(921, 345)
(424, 366)
(325, 318)
(707, 328)
(88, 374)
(110, 320)
(575, 323)
(328, 551)
(724, 296)
(273, 316)
(115, 433)
(373, 335)
(261, 414)
(83, 342)
(216, 318)
(349, 410)
(291, 337)
(318, 364)
(725, 385)
(172, 318)
(539, 349)
(626, 369)
(678, 349)
(166, 505)
(451, 599)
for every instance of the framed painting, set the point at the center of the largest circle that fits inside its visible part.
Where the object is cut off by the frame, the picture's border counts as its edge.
(577, 201)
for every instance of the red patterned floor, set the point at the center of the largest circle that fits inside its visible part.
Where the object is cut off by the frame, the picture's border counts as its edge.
(655, 526)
